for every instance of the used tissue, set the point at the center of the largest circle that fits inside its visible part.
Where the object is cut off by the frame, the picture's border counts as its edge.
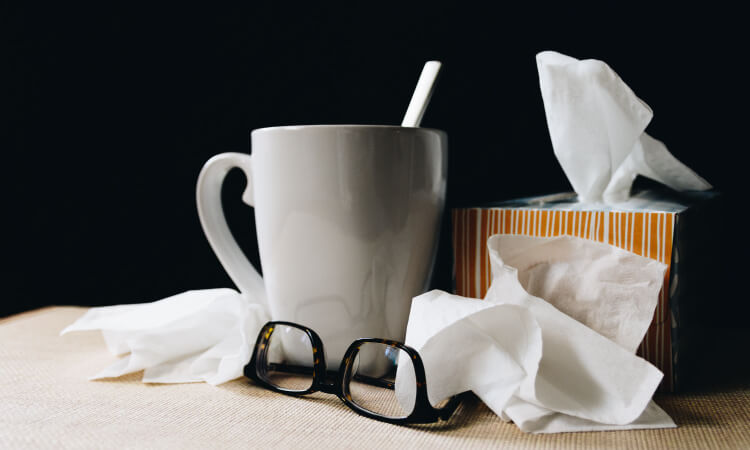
(527, 359)
(202, 335)
(596, 124)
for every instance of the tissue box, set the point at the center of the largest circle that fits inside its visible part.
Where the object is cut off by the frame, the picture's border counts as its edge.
(674, 228)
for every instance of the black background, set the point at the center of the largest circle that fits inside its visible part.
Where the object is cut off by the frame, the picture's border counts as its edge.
(114, 109)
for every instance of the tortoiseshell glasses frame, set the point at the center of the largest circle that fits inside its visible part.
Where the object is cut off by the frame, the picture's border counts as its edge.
(423, 411)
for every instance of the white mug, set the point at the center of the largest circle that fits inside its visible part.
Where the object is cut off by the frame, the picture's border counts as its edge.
(348, 220)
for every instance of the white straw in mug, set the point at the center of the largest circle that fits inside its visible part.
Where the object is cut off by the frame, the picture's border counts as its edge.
(422, 94)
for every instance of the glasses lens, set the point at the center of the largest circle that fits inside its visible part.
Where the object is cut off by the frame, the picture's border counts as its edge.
(287, 361)
(381, 380)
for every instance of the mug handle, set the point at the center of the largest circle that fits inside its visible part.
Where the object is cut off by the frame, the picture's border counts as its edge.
(211, 214)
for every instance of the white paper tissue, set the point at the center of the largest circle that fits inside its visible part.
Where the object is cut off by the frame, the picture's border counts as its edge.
(528, 360)
(596, 124)
(610, 290)
(203, 335)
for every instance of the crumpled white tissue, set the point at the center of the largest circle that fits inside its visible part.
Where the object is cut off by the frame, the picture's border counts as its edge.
(201, 335)
(606, 288)
(527, 359)
(596, 124)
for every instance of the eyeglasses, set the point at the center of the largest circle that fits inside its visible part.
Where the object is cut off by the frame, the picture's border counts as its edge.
(289, 358)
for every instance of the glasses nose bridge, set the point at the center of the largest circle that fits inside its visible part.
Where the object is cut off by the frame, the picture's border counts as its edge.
(329, 388)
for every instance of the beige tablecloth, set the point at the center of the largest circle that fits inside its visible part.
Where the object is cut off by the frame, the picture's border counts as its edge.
(45, 401)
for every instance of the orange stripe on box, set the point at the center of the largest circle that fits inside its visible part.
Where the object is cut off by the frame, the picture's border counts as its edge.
(637, 240)
(483, 257)
(653, 229)
(472, 250)
(555, 223)
(542, 223)
(518, 222)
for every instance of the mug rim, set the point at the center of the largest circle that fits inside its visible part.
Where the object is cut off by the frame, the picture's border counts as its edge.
(345, 126)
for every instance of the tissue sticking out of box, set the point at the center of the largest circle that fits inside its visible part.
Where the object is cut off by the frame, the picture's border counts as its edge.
(596, 124)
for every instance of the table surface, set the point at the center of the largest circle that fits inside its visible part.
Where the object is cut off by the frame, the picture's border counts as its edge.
(46, 401)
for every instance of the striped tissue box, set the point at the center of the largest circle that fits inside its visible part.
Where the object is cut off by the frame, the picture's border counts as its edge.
(651, 224)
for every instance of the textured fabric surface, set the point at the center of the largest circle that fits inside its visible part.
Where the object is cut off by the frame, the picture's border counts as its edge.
(46, 401)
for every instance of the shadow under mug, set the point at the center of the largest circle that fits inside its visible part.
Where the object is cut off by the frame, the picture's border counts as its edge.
(347, 218)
